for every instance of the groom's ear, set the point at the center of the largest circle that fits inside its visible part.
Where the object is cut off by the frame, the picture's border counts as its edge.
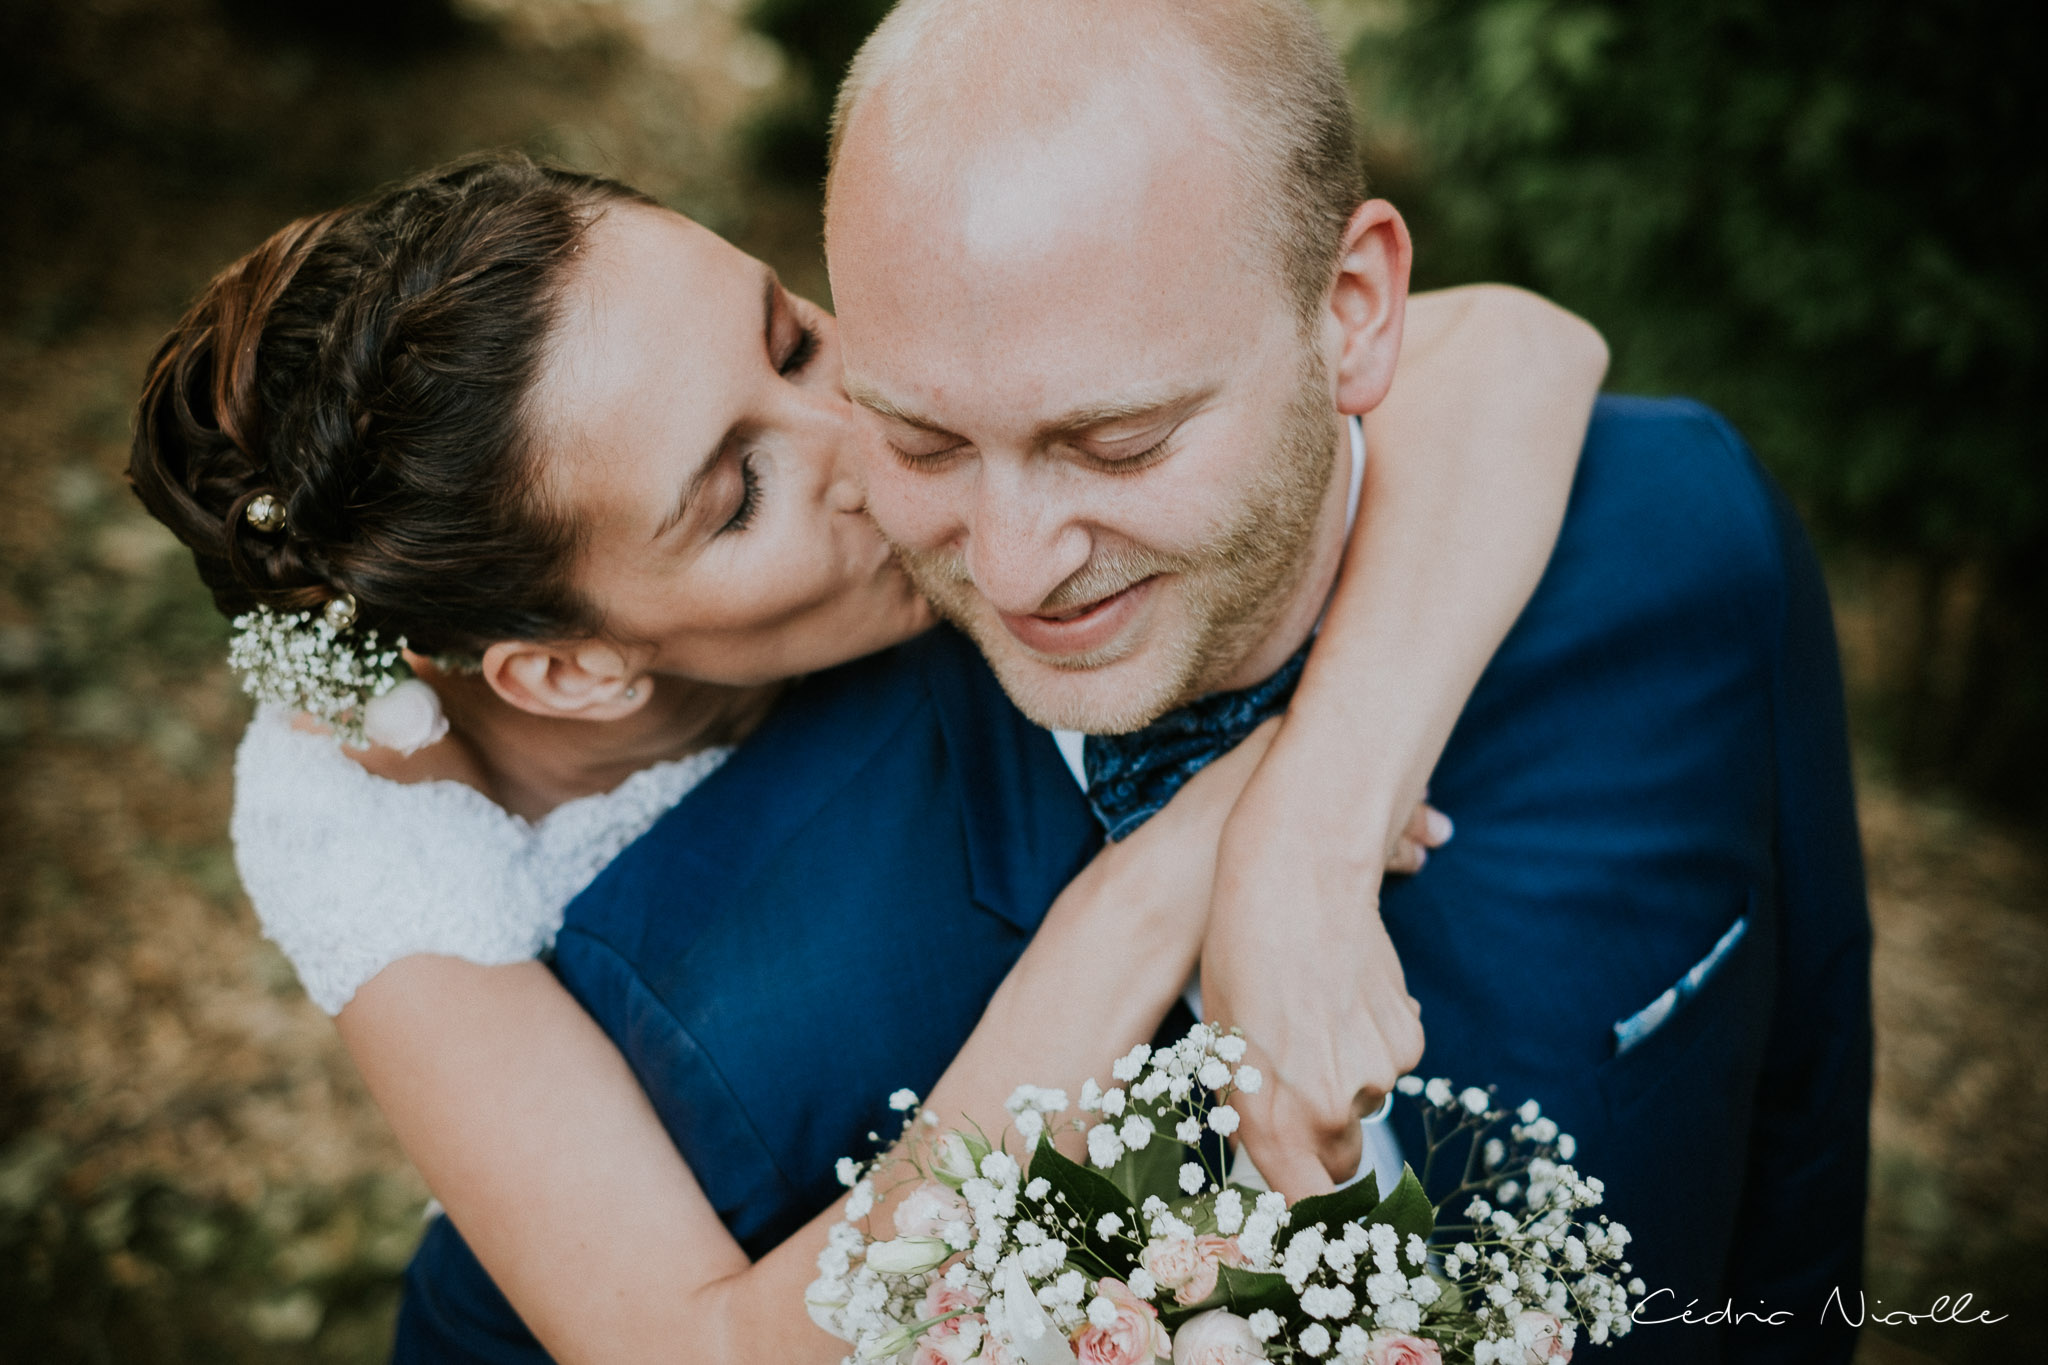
(583, 680)
(1368, 303)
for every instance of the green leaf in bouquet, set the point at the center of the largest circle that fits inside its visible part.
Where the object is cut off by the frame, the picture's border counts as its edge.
(1245, 1292)
(1155, 1167)
(1407, 1210)
(1087, 1195)
(1352, 1204)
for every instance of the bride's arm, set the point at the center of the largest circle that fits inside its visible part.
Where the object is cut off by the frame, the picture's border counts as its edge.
(1472, 457)
(532, 1131)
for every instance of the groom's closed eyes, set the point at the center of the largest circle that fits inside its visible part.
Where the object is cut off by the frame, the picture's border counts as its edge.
(1118, 436)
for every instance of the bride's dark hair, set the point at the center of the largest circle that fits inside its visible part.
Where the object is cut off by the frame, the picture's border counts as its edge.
(368, 369)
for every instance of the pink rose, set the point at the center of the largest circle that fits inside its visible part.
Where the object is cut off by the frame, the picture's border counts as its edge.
(1217, 1338)
(1210, 1252)
(1172, 1263)
(1393, 1348)
(942, 1299)
(1187, 1265)
(954, 1347)
(1136, 1337)
(928, 1209)
(1544, 1335)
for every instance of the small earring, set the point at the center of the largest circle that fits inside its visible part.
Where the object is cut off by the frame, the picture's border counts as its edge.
(633, 692)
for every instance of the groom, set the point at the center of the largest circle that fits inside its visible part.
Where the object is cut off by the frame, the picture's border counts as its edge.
(1106, 279)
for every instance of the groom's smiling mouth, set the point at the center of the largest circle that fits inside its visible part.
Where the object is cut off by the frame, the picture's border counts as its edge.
(1084, 629)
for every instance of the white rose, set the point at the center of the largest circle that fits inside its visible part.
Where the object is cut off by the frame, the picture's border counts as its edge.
(1217, 1338)
(407, 718)
(908, 1255)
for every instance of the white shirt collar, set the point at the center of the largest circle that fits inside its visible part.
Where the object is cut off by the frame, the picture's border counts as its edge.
(1072, 743)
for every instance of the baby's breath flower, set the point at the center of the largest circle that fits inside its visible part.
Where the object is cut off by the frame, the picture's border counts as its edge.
(1105, 1149)
(301, 660)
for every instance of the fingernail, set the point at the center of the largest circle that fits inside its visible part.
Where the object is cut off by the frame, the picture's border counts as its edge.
(1440, 829)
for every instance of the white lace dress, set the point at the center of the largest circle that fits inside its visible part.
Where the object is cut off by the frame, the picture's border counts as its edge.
(350, 872)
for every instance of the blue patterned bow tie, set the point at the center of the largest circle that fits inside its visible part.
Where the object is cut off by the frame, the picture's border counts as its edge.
(1131, 776)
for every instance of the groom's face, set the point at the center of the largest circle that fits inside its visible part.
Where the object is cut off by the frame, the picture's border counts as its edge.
(1102, 439)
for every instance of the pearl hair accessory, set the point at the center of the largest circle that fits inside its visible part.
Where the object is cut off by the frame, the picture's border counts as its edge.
(265, 513)
(340, 612)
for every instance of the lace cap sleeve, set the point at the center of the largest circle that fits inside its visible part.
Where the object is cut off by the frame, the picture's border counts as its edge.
(349, 872)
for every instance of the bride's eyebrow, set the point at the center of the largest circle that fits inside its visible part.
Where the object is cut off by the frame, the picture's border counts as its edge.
(770, 287)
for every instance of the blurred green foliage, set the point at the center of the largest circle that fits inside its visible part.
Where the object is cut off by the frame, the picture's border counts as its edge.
(787, 140)
(1824, 218)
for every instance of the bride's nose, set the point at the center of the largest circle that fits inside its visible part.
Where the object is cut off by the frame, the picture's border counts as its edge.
(834, 439)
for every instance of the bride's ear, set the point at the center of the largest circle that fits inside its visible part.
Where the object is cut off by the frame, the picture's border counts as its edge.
(584, 680)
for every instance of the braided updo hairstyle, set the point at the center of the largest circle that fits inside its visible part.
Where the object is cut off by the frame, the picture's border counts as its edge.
(368, 369)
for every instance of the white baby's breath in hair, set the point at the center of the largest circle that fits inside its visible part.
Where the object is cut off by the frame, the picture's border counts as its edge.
(300, 660)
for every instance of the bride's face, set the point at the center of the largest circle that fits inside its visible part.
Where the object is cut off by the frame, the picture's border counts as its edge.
(690, 419)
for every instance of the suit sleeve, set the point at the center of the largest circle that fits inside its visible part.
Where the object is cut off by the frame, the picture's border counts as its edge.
(1799, 1234)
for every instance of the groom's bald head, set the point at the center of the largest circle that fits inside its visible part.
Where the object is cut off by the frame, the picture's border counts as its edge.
(944, 88)
(1105, 279)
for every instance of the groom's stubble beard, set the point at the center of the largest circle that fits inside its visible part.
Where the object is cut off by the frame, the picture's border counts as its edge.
(1232, 587)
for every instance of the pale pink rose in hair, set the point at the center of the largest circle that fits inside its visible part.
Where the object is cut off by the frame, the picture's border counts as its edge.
(928, 1209)
(1217, 1338)
(1548, 1342)
(1137, 1337)
(1395, 1348)
(1210, 1252)
(407, 718)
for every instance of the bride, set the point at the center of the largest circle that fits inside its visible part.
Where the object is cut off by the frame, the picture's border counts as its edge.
(606, 526)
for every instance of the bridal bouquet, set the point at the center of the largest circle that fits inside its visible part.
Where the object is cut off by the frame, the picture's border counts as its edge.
(1147, 1250)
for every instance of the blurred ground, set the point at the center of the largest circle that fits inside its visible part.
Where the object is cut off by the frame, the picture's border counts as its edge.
(188, 1167)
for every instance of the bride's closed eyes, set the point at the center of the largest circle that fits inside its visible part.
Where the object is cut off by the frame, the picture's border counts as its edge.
(797, 342)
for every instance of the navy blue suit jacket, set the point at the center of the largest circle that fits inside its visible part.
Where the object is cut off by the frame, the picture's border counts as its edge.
(1656, 752)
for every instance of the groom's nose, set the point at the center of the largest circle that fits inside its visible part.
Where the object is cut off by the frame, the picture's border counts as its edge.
(1023, 541)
